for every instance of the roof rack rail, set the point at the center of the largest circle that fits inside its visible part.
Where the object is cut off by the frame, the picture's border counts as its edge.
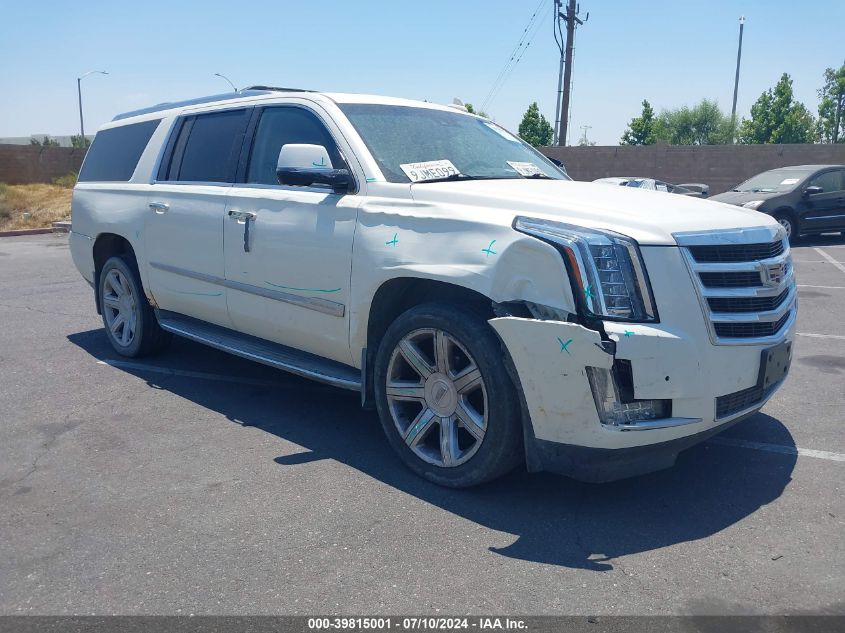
(159, 107)
(278, 89)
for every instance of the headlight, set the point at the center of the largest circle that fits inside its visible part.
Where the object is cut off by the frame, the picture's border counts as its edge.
(753, 204)
(610, 274)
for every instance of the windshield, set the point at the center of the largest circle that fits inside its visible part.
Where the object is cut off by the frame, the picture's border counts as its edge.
(412, 144)
(775, 181)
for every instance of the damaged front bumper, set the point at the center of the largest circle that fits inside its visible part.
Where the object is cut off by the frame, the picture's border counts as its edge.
(601, 410)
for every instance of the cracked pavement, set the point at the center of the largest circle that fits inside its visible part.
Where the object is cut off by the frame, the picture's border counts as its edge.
(196, 482)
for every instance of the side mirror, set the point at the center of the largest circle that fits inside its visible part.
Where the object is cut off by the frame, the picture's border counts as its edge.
(813, 190)
(302, 165)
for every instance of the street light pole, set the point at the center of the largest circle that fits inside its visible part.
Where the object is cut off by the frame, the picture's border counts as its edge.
(224, 77)
(79, 93)
(736, 80)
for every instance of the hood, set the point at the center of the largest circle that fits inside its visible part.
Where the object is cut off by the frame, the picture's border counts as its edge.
(741, 197)
(650, 217)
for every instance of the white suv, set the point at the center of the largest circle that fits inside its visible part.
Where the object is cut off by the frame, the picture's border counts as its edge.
(489, 307)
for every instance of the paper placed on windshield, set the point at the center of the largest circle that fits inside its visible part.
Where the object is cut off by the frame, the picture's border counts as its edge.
(525, 169)
(789, 181)
(429, 170)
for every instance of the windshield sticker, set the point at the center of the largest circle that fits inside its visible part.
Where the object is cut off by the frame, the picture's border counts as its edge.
(789, 181)
(501, 132)
(429, 170)
(525, 169)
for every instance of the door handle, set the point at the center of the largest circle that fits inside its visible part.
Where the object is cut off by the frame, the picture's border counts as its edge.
(159, 207)
(243, 217)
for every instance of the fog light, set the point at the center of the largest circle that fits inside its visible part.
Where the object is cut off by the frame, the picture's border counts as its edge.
(612, 411)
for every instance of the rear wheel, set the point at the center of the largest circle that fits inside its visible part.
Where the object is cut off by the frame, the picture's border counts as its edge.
(129, 319)
(444, 398)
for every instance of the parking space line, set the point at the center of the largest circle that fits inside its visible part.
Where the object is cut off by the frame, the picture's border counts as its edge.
(825, 287)
(778, 448)
(122, 364)
(839, 265)
(836, 336)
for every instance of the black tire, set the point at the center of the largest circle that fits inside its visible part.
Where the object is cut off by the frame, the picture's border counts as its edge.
(785, 218)
(147, 337)
(501, 448)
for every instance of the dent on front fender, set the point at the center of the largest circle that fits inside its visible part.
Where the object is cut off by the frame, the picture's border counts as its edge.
(551, 358)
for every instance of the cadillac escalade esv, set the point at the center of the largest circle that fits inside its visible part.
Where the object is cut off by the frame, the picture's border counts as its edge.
(491, 309)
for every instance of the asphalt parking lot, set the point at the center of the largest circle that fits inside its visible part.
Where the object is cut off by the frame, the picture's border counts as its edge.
(195, 482)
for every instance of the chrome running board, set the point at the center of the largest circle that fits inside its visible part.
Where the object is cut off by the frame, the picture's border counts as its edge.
(253, 348)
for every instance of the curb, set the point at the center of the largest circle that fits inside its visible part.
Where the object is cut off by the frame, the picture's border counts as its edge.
(61, 227)
(25, 232)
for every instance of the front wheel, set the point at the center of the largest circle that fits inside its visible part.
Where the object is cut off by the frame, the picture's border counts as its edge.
(444, 397)
(786, 221)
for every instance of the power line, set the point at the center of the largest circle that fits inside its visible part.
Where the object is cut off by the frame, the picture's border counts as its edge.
(518, 51)
(507, 76)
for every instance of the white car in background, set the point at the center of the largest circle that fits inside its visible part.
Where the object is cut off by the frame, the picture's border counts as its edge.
(491, 309)
(694, 189)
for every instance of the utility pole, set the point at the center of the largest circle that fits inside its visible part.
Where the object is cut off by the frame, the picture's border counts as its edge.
(564, 83)
(584, 139)
(79, 94)
(838, 113)
(736, 80)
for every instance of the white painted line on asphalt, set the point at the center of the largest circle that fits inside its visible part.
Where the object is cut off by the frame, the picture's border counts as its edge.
(839, 265)
(837, 336)
(778, 448)
(825, 287)
(123, 364)
(808, 261)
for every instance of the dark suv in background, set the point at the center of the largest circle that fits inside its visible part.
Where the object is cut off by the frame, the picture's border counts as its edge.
(804, 199)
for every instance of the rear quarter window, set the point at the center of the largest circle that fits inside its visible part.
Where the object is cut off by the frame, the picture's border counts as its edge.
(115, 152)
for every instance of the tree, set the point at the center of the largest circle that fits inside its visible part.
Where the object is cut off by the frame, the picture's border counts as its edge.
(45, 142)
(471, 110)
(76, 141)
(831, 124)
(640, 130)
(534, 128)
(703, 124)
(777, 118)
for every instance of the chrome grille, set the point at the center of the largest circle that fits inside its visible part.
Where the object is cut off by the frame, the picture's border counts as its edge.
(744, 280)
(747, 304)
(736, 252)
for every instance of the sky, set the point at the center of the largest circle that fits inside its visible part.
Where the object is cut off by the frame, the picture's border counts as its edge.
(669, 52)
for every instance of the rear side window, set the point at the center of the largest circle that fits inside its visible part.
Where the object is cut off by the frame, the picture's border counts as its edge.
(115, 152)
(207, 148)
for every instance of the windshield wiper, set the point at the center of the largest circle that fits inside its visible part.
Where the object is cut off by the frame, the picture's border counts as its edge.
(454, 177)
(538, 176)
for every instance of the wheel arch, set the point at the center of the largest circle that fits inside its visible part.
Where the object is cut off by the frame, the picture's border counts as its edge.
(105, 246)
(395, 296)
(790, 212)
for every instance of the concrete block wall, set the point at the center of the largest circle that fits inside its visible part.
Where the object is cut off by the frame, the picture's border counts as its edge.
(720, 166)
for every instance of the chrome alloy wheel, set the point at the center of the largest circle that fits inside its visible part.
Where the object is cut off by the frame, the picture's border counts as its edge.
(120, 308)
(786, 223)
(437, 398)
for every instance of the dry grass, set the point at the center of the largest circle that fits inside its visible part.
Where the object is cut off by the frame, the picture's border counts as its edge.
(32, 206)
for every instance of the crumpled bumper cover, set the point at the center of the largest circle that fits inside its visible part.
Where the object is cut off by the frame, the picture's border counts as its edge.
(565, 434)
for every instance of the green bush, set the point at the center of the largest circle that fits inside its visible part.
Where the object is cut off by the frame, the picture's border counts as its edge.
(68, 181)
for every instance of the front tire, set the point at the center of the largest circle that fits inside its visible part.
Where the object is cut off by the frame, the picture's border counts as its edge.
(788, 223)
(129, 319)
(446, 402)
